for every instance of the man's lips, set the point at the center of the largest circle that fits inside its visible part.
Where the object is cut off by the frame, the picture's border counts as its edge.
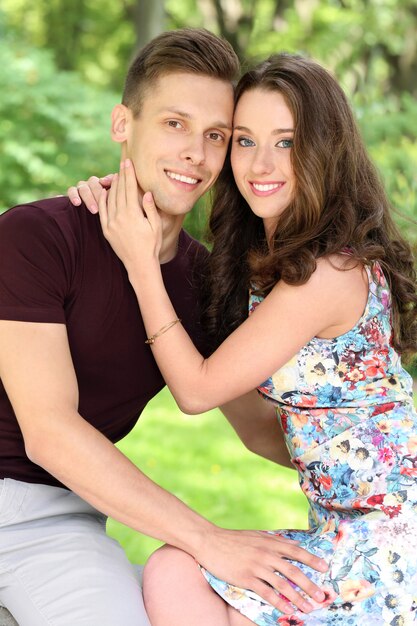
(183, 179)
(266, 189)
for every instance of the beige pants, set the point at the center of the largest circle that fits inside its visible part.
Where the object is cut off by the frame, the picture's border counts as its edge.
(57, 565)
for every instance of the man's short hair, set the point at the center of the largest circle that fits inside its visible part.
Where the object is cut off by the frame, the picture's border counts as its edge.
(189, 50)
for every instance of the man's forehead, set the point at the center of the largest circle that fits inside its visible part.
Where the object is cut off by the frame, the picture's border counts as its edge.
(178, 87)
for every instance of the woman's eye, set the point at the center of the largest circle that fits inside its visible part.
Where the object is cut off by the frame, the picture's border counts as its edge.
(174, 124)
(285, 143)
(245, 142)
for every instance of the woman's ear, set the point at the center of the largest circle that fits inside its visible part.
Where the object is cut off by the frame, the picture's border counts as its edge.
(119, 121)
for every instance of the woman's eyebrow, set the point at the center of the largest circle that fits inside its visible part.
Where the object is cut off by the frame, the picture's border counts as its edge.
(277, 131)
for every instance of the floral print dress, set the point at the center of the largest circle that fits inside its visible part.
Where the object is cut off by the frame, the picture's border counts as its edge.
(347, 415)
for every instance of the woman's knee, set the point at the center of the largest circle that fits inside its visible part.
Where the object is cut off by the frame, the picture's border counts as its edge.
(167, 558)
(165, 567)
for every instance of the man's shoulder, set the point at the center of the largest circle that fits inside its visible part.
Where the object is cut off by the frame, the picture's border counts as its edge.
(47, 218)
(42, 209)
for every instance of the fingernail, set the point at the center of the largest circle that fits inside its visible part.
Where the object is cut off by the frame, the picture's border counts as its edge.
(94, 208)
(320, 596)
(76, 201)
(122, 164)
(127, 163)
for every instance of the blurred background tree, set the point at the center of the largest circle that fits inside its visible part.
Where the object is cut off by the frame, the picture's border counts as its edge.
(63, 63)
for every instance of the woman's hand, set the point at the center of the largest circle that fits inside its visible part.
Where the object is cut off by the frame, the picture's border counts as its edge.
(88, 191)
(252, 559)
(130, 224)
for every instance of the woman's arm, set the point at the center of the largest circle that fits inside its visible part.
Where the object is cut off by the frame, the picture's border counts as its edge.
(256, 423)
(284, 322)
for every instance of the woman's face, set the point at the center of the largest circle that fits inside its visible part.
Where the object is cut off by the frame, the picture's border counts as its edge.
(261, 154)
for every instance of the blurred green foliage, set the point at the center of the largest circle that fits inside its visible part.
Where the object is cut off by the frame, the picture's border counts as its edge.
(53, 126)
(62, 66)
(203, 463)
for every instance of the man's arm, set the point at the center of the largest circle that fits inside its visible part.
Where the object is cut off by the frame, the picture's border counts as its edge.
(37, 372)
(256, 423)
(38, 375)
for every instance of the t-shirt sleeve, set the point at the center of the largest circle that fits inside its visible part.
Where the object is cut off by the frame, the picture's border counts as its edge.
(34, 273)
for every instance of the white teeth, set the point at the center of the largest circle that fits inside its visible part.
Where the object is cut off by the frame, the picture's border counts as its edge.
(269, 187)
(182, 178)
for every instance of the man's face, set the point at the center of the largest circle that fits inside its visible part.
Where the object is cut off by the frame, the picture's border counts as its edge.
(178, 142)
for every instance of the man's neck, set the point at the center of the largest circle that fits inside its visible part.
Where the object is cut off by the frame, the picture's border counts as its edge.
(171, 227)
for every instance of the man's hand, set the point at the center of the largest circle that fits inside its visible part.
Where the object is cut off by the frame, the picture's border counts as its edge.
(250, 559)
(88, 191)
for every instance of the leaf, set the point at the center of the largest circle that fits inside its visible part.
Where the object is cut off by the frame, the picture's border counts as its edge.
(343, 572)
(371, 552)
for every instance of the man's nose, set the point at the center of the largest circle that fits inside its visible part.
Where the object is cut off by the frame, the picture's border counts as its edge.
(194, 151)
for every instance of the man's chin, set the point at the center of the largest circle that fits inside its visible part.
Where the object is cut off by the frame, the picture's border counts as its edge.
(174, 209)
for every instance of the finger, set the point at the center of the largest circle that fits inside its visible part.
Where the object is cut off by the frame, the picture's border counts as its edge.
(111, 199)
(73, 195)
(276, 535)
(295, 575)
(132, 192)
(105, 181)
(270, 596)
(150, 210)
(88, 195)
(295, 553)
(284, 587)
(103, 211)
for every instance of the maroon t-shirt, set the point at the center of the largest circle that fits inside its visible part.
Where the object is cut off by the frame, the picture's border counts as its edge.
(56, 266)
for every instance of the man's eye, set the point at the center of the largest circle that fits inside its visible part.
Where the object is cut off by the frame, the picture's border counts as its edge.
(216, 136)
(174, 124)
(285, 143)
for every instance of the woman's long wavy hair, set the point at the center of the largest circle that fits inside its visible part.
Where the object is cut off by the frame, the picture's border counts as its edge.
(339, 202)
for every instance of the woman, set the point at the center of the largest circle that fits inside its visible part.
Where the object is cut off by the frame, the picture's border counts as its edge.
(306, 230)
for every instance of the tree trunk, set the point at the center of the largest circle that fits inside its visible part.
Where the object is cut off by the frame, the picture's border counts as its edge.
(150, 20)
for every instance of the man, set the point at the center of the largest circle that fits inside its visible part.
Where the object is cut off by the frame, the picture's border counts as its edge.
(77, 372)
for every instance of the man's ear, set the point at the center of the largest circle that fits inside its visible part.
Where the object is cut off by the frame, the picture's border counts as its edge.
(120, 117)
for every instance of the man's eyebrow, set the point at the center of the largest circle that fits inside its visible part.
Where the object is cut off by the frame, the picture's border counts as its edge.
(276, 131)
(187, 116)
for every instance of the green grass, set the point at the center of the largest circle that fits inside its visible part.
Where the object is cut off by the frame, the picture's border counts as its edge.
(200, 459)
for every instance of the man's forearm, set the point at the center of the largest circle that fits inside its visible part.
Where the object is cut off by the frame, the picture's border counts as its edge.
(91, 466)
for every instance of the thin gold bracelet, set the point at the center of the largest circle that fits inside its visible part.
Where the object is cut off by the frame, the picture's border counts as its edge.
(161, 331)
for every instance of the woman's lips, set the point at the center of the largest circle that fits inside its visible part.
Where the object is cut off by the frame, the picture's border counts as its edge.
(266, 189)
